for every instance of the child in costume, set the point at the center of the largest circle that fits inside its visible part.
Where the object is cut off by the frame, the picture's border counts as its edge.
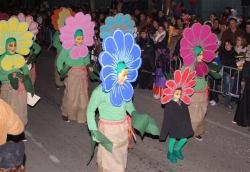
(120, 61)
(176, 120)
(14, 74)
(58, 20)
(35, 49)
(197, 45)
(72, 64)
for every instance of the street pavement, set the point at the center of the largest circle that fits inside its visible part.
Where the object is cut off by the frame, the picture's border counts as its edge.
(56, 146)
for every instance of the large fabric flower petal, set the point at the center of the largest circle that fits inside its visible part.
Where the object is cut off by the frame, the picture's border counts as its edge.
(74, 53)
(105, 58)
(132, 75)
(83, 51)
(186, 99)
(127, 91)
(116, 96)
(201, 69)
(110, 78)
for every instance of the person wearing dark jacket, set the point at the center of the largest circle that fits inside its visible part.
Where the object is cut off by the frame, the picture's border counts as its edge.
(245, 7)
(148, 60)
(247, 35)
(227, 58)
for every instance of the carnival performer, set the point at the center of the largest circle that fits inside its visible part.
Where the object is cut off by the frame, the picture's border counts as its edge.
(15, 42)
(120, 61)
(35, 49)
(58, 20)
(72, 64)
(176, 122)
(197, 45)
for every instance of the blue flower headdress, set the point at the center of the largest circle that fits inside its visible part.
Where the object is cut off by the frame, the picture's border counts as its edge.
(120, 47)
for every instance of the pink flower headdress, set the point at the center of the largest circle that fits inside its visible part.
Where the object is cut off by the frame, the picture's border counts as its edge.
(200, 37)
(181, 80)
(72, 24)
(33, 26)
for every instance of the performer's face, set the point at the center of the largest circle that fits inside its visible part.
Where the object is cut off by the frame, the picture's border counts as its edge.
(200, 57)
(123, 76)
(177, 95)
(11, 47)
(79, 40)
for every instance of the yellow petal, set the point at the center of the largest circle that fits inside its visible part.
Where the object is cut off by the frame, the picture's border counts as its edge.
(18, 61)
(62, 16)
(13, 24)
(4, 27)
(7, 63)
(22, 27)
(23, 50)
(1, 36)
(27, 36)
(2, 50)
(25, 43)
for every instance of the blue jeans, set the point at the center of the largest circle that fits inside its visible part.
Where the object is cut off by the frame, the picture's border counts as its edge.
(228, 85)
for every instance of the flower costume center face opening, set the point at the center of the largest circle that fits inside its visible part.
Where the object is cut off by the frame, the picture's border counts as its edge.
(177, 94)
(200, 57)
(123, 76)
(12, 47)
(78, 37)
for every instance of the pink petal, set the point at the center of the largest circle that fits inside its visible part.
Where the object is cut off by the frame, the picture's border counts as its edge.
(208, 56)
(201, 69)
(88, 28)
(89, 32)
(204, 33)
(177, 77)
(33, 26)
(79, 17)
(87, 18)
(188, 91)
(188, 35)
(210, 39)
(166, 99)
(71, 22)
(35, 31)
(185, 51)
(29, 19)
(21, 17)
(189, 59)
(190, 76)
(74, 53)
(196, 31)
(65, 37)
(186, 43)
(186, 99)
(184, 76)
(83, 51)
(167, 91)
(88, 41)
(67, 44)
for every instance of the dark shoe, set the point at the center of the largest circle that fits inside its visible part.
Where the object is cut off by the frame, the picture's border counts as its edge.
(24, 139)
(199, 138)
(57, 87)
(171, 157)
(178, 154)
(65, 118)
(231, 107)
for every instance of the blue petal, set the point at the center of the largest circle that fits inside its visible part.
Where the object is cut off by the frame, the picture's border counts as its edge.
(105, 58)
(119, 19)
(107, 70)
(110, 22)
(105, 34)
(134, 65)
(105, 28)
(132, 75)
(109, 82)
(109, 44)
(127, 91)
(131, 24)
(119, 39)
(116, 96)
(129, 42)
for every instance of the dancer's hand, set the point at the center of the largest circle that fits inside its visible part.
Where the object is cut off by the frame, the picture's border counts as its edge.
(91, 69)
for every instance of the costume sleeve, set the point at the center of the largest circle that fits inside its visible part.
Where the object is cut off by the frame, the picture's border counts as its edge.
(36, 48)
(166, 123)
(3, 77)
(15, 125)
(25, 69)
(61, 59)
(87, 60)
(56, 42)
(130, 107)
(94, 102)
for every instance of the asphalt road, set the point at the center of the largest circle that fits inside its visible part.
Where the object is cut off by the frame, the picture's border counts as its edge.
(56, 146)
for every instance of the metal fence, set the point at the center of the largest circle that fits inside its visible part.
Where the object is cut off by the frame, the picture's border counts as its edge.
(47, 37)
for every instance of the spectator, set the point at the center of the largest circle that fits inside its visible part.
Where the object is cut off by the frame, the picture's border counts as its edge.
(232, 33)
(179, 8)
(144, 5)
(247, 35)
(198, 19)
(173, 21)
(137, 13)
(242, 23)
(180, 23)
(119, 6)
(211, 19)
(234, 16)
(151, 7)
(143, 22)
(227, 58)
(223, 28)
(170, 14)
(113, 4)
(245, 7)
(186, 18)
(216, 27)
(161, 17)
(241, 44)
(225, 15)
(155, 26)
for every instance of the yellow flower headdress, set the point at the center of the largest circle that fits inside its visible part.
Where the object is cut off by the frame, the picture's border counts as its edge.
(18, 30)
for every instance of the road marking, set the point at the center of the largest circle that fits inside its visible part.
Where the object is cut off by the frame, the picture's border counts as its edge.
(207, 120)
(53, 158)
